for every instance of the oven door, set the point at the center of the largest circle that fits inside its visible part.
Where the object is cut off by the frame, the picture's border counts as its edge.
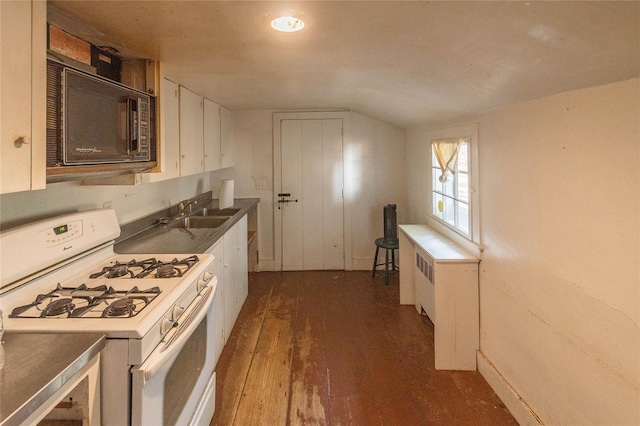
(176, 383)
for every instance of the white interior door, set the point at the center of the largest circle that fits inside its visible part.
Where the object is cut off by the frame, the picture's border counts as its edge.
(311, 203)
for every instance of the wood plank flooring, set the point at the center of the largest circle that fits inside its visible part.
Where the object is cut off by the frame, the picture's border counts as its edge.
(336, 348)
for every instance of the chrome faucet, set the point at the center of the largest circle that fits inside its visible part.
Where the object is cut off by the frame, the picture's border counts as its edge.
(183, 205)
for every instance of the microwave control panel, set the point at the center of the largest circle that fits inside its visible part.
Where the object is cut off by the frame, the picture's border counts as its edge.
(143, 128)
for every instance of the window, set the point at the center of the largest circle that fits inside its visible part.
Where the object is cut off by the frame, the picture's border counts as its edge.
(450, 183)
(453, 201)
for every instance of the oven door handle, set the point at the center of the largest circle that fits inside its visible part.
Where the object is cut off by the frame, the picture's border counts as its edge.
(175, 339)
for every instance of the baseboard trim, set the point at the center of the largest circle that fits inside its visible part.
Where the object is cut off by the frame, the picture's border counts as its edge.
(357, 264)
(362, 264)
(511, 399)
(267, 265)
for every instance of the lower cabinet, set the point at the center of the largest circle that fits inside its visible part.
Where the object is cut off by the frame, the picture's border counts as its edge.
(231, 269)
(242, 263)
(229, 275)
(235, 273)
(217, 308)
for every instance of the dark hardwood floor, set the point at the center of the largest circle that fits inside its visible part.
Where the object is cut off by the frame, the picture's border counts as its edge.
(336, 348)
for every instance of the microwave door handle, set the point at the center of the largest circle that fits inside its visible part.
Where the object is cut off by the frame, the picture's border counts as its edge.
(134, 140)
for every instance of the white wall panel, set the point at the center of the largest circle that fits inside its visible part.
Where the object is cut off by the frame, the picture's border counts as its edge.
(560, 209)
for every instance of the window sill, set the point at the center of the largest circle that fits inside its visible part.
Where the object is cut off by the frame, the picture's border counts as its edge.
(471, 246)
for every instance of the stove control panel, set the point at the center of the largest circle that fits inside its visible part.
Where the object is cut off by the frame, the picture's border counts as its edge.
(63, 233)
(40, 245)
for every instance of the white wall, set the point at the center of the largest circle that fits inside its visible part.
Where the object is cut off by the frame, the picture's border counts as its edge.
(253, 154)
(374, 177)
(129, 201)
(559, 279)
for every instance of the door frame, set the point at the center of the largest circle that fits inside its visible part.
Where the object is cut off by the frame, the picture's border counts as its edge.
(277, 180)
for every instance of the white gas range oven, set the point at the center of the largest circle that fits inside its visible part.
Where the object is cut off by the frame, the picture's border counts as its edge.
(61, 275)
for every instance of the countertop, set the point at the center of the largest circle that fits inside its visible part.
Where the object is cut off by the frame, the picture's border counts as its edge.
(37, 365)
(437, 245)
(147, 236)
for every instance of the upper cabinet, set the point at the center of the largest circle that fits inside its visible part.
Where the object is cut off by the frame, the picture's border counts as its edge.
(206, 138)
(226, 138)
(23, 102)
(169, 133)
(191, 132)
(211, 135)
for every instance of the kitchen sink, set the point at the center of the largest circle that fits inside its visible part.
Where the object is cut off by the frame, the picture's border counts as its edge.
(192, 222)
(215, 212)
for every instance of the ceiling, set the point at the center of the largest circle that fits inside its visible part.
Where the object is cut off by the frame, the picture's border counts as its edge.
(403, 62)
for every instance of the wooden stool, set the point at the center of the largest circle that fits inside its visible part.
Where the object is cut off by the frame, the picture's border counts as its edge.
(388, 246)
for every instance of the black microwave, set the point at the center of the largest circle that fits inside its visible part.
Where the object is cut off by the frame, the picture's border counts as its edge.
(93, 120)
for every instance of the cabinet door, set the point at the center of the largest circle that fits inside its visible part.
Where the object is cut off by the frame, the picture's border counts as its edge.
(23, 100)
(242, 262)
(211, 135)
(226, 138)
(191, 132)
(169, 133)
(217, 310)
(230, 292)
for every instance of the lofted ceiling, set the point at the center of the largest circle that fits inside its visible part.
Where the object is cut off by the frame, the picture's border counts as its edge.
(403, 62)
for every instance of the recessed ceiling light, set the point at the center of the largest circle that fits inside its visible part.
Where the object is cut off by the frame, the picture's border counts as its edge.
(287, 24)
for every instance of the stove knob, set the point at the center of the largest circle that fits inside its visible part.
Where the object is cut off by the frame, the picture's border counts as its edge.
(166, 325)
(177, 312)
(202, 281)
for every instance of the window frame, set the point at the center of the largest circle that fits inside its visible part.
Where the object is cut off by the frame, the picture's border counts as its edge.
(454, 194)
(473, 239)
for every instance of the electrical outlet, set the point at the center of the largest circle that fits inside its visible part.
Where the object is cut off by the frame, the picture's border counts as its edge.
(261, 184)
(107, 204)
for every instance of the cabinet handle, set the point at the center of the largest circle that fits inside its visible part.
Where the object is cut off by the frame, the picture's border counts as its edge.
(22, 140)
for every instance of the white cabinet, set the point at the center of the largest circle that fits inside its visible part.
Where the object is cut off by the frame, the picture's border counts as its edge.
(235, 274)
(169, 133)
(231, 268)
(191, 132)
(200, 134)
(211, 135)
(226, 138)
(23, 95)
(242, 262)
(441, 280)
(229, 278)
(218, 314)
(217, 308)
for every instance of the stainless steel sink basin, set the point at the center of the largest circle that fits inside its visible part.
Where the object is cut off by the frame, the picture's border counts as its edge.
(191, 222)
(215, 212)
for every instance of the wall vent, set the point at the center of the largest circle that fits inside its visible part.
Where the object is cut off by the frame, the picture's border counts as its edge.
(425, 265)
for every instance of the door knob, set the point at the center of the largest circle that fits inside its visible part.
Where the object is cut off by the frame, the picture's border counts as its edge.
(22, 140)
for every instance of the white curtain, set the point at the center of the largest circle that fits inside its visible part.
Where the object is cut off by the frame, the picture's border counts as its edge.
(446, 151)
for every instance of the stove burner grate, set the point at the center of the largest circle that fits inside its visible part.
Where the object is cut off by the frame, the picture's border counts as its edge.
(131, 269)
(86, 302)
(120, 307)
(167, 271)
(151, 268)
(58, 307)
